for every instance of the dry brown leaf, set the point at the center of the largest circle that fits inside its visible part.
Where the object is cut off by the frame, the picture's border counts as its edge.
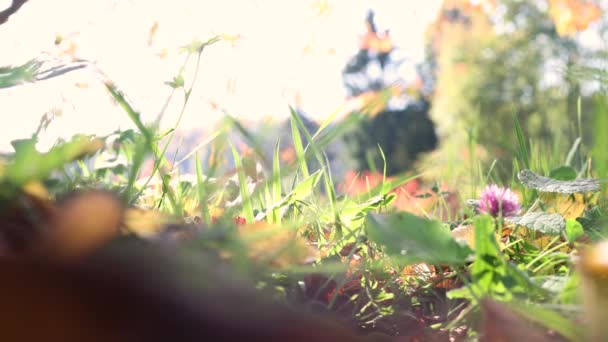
(565, 205)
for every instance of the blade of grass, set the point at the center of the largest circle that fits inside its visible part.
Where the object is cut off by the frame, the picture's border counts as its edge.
(327, 121)
(579, 114)
(245, 195)
(187, 93)
(249, 137)
(276, 183)
(299, 149)
(198, 147)
(599, 151)
(384, 188)
(137, 160)
(522, 152)
(394, 183)
(572, 152)
(135, 117)
(202, 191)
(318, 154)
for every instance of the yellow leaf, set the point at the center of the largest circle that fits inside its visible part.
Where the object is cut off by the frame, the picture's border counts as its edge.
(146, 223)
(569, 206)
(275, 245)
(152, 33)
(541, 241)
(37, 190)
(233, 39)
(467, 234)
(321, 7)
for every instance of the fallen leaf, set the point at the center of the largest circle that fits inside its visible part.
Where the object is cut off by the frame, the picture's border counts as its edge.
(546, 184)
(275, 245)
(146, 222)
(551, 224)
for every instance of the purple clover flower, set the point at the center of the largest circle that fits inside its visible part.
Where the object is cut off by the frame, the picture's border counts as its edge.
(495, 199)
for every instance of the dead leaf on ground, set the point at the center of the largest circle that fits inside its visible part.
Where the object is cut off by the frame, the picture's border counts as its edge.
(275, 245)
(146, 223)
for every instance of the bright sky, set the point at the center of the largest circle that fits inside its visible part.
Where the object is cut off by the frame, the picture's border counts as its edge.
(285, 47)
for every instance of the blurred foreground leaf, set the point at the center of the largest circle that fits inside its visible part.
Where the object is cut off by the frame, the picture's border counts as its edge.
(502, 322)
(594, 289)
(415, 239)
(549, 319)
(12, 76)
(29, 164)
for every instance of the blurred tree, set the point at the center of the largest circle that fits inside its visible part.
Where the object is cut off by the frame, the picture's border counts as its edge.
(489, 60)
(394, 114)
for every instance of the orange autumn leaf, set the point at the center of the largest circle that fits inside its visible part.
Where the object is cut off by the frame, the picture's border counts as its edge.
(359, 183)
(420, 270)
(411, 197)
(288, 155)
(423, 273)
(572, 16)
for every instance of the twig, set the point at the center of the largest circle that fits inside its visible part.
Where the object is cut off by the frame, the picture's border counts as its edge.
(15, 6)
